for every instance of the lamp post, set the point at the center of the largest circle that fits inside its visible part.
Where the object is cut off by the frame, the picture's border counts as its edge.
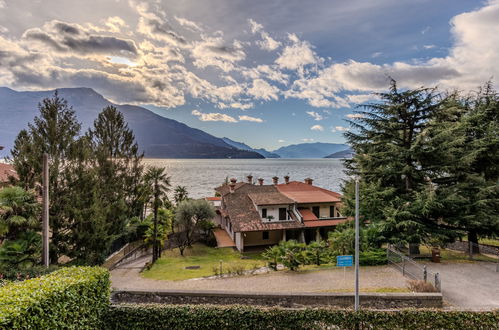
(356, 305)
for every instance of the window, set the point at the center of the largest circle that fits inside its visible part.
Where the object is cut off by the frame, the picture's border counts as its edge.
(316, 211)
(265, 235)
(331, 211)
(283, 213)
(264, 213)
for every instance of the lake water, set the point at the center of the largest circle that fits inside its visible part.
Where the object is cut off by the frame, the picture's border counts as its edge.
(201, 176)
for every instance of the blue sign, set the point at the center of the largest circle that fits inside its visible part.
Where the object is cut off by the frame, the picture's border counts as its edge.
(344, 261)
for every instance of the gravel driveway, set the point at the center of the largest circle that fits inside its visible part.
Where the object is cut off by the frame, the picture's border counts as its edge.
(128, 277)
(473, 286)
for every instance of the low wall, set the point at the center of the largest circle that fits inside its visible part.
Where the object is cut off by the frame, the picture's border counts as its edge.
(289, 300)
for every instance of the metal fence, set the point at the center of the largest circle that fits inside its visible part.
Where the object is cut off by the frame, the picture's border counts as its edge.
(481, 252)
(412, 269)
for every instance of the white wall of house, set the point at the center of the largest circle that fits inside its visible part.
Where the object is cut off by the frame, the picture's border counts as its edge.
(272, 210)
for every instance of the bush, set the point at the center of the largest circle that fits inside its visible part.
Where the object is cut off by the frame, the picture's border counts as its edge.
(245, 317)
(373, 258)
(69, 298)
(14, 274)
(420, 286)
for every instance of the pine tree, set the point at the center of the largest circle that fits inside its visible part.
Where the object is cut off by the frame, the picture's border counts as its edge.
(389, 158)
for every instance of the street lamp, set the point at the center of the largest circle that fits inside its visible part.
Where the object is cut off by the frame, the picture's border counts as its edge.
(356, 305)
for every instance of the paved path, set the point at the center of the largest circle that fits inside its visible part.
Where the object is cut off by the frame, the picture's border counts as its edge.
(223, 238)
(473, 286)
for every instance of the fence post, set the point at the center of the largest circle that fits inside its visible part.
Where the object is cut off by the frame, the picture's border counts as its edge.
(425, 273)
(437, 282)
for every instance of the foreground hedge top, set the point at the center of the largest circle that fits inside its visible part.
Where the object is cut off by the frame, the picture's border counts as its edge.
(155, 316)
(16, 298)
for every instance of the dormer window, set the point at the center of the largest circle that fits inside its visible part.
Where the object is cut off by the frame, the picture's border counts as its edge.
(264, 213)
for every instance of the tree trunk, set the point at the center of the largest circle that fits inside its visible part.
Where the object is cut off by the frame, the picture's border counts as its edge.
(414, 249)
(473, 238)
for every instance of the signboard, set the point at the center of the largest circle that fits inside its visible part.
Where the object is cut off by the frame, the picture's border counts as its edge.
(344, 261)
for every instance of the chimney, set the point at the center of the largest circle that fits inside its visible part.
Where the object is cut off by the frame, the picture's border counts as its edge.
(275, 179)
(260, 182)
(286, 179)
(309, 181)
(232, 185)
(250, 179)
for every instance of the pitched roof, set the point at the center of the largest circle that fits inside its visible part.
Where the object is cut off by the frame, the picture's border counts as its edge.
(6, 171)
(243, 214)
(306, 193)
(324, 223)
(307, 214)
(270, 198)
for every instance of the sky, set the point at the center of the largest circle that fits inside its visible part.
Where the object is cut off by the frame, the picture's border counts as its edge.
(267, 73)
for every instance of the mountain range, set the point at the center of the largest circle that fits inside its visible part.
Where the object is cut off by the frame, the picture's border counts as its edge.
(157, 136)
(348, 153)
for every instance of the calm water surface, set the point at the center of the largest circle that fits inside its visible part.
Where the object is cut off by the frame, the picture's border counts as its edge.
(201, 176)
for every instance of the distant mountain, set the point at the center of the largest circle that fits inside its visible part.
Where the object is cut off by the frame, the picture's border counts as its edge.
(309, 150)
(348, 153)
(242, 146)
(157, 136)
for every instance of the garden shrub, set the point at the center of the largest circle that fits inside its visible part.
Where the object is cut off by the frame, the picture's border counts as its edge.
(69, 298)
(246, 317)
(420, 286)
(15, 274)
(373, 257)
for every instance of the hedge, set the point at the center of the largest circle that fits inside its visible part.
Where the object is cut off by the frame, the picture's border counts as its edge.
(69, 298)
(244, 317)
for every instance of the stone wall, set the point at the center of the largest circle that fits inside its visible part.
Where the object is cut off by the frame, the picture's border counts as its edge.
(290, 300)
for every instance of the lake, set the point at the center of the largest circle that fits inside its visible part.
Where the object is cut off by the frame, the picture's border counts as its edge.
(201, 176)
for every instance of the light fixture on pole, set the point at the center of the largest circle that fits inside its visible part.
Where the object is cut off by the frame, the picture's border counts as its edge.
(356, 305)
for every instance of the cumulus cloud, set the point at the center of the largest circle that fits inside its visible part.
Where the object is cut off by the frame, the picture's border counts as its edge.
(339, 129)
(249, 118)
(317, 128)
(74, 39)
(354, 115)
(317, 116)
(214, 116)
(261, 89)
(213, 51)
(296, 55)
(188, 24)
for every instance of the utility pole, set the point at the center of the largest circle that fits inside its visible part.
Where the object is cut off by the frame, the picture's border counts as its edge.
(45, 213)
(356, 244)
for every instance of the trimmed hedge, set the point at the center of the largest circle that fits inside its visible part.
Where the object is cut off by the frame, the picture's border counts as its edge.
(69, 298)
(244, 317)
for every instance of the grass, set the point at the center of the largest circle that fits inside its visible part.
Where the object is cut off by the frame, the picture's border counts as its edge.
(488, 241)
(171, 266)
(456, 256)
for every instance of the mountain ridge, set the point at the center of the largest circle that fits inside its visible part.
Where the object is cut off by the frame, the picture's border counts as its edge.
(244, 146)
(309, 150)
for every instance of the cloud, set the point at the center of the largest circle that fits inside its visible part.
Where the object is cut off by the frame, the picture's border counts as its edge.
(261, 89)
(376, 54)
(188, 24)
(212, 51)
(317, 128)
(317, 116)
(429, 46)
(74, 39)
(339, 129)
(360, 98)
(252, 119)
(254, 26)
(115, 24)
(214, 116)
(268, 43)
(354, 115)
(281, 141)
(296, 55)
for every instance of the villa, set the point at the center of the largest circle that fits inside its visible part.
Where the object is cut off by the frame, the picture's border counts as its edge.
(256, 215)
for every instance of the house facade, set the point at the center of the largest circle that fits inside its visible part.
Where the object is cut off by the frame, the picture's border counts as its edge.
(258, 215)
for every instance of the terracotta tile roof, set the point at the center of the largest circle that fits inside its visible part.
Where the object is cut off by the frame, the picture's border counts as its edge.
(305, 193)
(213, 198)
(307, 214)
(243, 214)
(273, 198)
(6, 171)
(324, 223)
(224, 189)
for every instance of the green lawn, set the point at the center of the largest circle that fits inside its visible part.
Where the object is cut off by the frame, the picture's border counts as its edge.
(171, 266)
(456, 256)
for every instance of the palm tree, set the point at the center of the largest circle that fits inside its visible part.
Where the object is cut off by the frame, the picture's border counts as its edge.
(180, 194)
(159, 182)
(19, 212)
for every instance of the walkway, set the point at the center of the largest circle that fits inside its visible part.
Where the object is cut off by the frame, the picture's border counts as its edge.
(223, 238)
